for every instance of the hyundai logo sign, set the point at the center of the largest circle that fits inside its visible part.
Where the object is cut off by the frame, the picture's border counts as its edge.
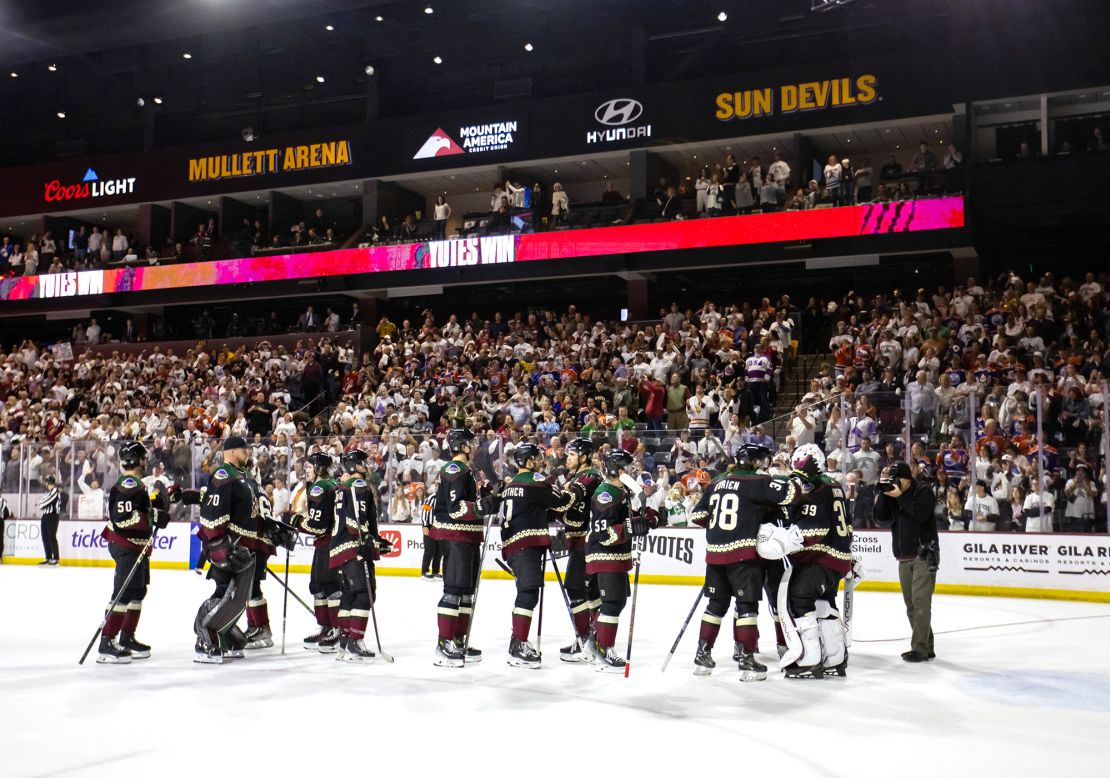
(622, 110)
(618, 116)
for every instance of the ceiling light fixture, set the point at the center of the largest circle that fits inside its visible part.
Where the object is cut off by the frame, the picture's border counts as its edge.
(529, 47)
(722, 17)
(438, 60)
(330, 28)
(140, 102)
(429, 10)
(378, 19)
(157, 100)
(14, 74)
(186, 55)
(319, 79)
(52, 68)
(61, 114)
(369, 70)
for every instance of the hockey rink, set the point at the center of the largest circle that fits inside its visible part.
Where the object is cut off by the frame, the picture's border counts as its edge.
(1020, 687)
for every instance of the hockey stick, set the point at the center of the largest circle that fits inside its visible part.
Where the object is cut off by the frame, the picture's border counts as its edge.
(285, 602)
(477, 585)
(543, 588)
(681, 632)
(291, 593)
(505, 566)
(115, 601)
(794, 647)
(632, 615)
(566, 597)
(374, 617)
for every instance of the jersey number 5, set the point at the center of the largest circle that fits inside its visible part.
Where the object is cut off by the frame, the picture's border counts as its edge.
(725, 508)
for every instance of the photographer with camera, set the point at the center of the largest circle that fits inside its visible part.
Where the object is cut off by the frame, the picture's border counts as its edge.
(906, 506)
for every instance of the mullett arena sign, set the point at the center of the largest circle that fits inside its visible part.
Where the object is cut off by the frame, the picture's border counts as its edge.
(261, 162)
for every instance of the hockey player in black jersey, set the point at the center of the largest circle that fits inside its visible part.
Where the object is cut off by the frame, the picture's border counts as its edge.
(826, 557)
(609, 555)
(133, 515)
(581, 481)
(457, 524)
(323, 582)
(353, 547)
(230, 534)
(529, 498)
(732, 509)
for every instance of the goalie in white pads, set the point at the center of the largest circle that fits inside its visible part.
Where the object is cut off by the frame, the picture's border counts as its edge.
(732, 509)
(821, 520)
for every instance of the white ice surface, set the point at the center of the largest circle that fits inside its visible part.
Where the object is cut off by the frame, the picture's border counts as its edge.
(1001, 701)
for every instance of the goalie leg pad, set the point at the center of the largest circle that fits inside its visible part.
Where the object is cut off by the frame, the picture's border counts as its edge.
(810, 634)
(832, 641)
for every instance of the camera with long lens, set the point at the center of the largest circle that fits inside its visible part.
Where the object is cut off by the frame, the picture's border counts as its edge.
(930, 554)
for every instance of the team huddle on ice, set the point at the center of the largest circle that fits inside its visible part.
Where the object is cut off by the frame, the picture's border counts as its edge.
(788, 536)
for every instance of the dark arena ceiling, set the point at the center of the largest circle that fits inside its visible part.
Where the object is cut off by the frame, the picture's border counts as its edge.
(206, 69)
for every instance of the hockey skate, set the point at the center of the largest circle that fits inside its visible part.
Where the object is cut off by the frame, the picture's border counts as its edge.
(328, 643)
(138, 650)
(341, 648)
(112, 653)
(575, 652)
(311, 643)
(797, 671)
(448, 654)
(356, 651)
(840, 670)
(523, 654)
(207, 654)
(703, 660)
(259, 637)
(473, 655)
(233, 642)
(608, 661)
(750, 668)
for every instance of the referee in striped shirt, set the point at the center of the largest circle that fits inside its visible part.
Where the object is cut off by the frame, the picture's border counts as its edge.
(50, 506)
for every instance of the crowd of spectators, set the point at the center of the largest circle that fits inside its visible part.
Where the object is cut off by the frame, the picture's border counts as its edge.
(731, 188)
(681, 393)
(967, 373)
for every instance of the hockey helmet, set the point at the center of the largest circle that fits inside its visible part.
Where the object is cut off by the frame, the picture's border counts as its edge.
(456, 439)
(322, 463)
(132, 454)
(614, 461)
(525, 453)
(583, 447)
(352, 460)
(751, 457)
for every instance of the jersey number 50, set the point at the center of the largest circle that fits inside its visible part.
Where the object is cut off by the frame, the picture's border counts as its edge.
(725, 508)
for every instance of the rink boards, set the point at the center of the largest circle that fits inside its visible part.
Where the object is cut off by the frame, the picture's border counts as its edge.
(1057, 566)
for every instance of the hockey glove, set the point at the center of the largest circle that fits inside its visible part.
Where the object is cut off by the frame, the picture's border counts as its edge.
(281, 536)
(161, 519)
(158, 497)
(639, 526)
(173, 492)
(652, 517)
(491, 503)
(382, 545)
(192, 496)
(239, 559)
